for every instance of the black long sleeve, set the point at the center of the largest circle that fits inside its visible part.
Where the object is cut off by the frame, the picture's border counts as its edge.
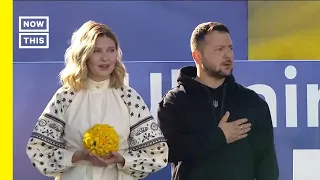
(185, 145)
(266, 164)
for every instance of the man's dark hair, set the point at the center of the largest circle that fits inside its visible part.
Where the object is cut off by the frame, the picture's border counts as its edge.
(199, 33)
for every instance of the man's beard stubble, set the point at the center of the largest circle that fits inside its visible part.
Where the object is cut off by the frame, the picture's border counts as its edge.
(214, 72)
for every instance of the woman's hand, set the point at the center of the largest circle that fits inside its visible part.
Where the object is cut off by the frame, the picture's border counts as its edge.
(112, 158)
(80, 156)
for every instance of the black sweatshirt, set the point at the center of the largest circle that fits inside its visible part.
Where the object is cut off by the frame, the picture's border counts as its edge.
(189, 115)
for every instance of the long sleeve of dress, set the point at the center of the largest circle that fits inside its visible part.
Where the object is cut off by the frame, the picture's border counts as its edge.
(148, 150)
(46, 148)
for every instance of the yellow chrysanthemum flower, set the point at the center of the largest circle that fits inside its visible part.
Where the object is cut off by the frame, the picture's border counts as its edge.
(101, 139)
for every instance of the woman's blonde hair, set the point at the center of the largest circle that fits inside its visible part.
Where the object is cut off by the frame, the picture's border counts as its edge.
(74, 75)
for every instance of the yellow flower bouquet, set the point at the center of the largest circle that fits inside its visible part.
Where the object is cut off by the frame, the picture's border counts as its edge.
(101, 139)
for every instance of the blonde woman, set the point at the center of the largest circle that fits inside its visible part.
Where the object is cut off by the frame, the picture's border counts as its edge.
(93, 92)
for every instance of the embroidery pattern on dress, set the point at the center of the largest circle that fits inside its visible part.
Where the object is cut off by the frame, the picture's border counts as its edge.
(46, 145)
(50, 128)
(145, 132)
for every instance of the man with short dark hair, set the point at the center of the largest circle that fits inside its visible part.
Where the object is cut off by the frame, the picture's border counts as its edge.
(216, 129)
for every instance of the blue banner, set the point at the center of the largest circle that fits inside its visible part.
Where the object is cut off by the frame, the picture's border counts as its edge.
(290, 88)
(147, 30)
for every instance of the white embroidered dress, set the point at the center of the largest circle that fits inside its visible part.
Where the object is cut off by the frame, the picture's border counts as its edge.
(59, 131)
